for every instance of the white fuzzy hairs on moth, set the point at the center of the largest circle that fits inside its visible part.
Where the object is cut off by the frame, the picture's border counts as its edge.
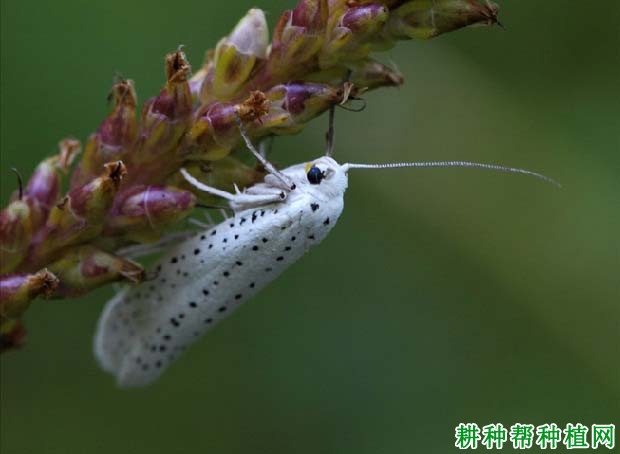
(202, 280)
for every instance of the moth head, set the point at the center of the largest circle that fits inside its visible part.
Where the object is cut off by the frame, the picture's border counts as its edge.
(324, 175)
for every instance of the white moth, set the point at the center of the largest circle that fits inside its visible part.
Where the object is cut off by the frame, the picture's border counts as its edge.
(203, 280)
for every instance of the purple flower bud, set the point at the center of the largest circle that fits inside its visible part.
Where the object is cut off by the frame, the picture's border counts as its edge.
(17, 290)
(115, 136)
(311, 15)
(119, 130)
(356, 34)
(165, 120)
(215, 133)
(174, 101)
(295, 103)
(15, 234)
(364, 18)
(391, 4)
(43, 187)
(148, 209)
(297, 38)
(79, 217)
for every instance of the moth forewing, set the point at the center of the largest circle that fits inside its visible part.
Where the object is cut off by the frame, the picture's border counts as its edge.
(204, 279)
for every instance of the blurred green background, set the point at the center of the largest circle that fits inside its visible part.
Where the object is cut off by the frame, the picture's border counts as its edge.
(443, 296)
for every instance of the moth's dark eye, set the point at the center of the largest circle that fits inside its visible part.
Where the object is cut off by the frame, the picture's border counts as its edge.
(315, 175)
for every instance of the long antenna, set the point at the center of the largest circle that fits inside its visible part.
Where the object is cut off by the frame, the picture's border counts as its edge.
(475, 165)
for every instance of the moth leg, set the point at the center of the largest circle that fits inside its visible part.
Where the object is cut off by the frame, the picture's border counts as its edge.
(286, 181)
(264, 146)
(223, 214)
(433, 8)
(244, 201)
(205, 188)
(208, 217)
(240, 200)
(140, 250)
(198, 223)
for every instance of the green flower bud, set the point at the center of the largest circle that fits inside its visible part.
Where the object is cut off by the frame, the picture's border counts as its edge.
(423, 19)
(236, 57)
(86, 268)
(197, 81)
(368, 74)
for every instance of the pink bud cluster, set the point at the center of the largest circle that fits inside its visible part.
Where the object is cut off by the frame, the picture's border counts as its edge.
(126, 187)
